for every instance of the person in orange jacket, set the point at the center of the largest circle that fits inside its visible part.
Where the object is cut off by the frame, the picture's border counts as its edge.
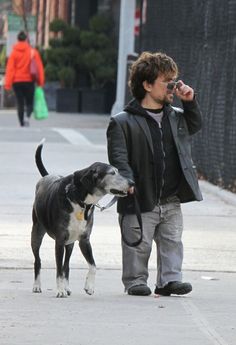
(19, 76)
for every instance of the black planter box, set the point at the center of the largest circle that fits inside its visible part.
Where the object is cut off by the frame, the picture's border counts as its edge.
(68, 101)
(9, 99)
(97, 101)
(50, 90)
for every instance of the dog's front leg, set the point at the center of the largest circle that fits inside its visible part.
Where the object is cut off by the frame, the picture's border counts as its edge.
(59, 252)
(66, 268)
(86, 250)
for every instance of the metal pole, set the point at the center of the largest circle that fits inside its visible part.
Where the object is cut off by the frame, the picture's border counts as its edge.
(73, 12)
(141, 27)
(47, 20)
(126, 47)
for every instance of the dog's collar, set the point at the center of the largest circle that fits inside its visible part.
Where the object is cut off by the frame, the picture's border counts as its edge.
(85, 207)
(82, 204)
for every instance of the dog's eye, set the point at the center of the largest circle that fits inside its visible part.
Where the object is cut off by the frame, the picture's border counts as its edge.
(114, 171)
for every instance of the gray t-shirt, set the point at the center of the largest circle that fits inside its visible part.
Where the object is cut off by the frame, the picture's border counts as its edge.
(156, 116)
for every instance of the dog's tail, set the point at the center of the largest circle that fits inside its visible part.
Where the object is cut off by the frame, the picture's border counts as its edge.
(38, 159)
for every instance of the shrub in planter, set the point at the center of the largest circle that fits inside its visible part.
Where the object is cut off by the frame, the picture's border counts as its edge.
(99, 54)
(67, 77)
(83, 58)
(51, 72)
(64, 51)
(68, 99)
(99, 60)
(63, 65)
(51, 85)
(57, 25)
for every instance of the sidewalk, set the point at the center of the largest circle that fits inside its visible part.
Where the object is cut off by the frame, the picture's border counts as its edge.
(207, 316)
(8, 118)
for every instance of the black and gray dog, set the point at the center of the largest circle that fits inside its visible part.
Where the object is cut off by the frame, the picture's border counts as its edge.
(64, 208)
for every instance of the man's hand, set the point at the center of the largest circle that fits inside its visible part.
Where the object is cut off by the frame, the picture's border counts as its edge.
(131, 190)
(184, 92)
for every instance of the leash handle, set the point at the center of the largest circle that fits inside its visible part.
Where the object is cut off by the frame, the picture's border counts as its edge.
(139, 217)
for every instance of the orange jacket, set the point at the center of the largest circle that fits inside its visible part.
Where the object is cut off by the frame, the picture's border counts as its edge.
(18, 65)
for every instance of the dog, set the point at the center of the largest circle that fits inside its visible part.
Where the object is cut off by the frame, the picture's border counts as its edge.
(64, 208)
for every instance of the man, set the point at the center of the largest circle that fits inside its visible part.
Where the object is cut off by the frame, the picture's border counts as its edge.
(18, 75)
(149, 144)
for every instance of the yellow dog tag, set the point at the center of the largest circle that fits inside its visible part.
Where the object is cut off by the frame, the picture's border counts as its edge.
(80, 215)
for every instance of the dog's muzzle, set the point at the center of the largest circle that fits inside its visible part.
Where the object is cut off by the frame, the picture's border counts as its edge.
(118, 192)
(124, 191)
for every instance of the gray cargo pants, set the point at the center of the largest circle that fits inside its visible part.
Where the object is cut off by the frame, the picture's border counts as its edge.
(164, 225)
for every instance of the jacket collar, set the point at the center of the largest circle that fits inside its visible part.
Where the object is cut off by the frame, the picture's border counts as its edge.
(173, 121)
(140, 116)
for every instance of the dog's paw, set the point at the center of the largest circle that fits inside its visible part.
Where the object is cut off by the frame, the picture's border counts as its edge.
(90, 281)
(89, 291)
(62, 294)
(63, 289)
(89, 287)
(68, 291)
(66, 287)
(37, 289)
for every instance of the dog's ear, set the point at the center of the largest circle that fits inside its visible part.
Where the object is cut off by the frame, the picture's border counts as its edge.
(88, 180)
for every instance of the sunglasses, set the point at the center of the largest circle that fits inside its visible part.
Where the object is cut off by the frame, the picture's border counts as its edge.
(172, 84)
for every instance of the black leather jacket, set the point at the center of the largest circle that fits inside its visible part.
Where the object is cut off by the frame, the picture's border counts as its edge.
(130, 149)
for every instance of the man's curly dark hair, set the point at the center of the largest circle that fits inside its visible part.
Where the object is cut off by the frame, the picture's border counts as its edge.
(148, 67)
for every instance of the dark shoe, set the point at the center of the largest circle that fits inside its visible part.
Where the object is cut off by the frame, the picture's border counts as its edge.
(176, 288)
(139, 290)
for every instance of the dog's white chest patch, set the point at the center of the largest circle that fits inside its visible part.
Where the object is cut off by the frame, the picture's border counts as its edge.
(77, 224)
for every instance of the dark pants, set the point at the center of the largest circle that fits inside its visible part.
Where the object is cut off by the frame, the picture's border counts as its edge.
(24, 92)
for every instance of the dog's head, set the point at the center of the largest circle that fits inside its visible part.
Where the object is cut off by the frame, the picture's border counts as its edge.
(100, 179)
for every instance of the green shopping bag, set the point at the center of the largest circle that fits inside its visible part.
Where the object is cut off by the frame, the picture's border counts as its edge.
(40, 105)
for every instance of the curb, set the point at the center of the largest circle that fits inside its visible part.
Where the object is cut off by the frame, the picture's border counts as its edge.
(224, 195)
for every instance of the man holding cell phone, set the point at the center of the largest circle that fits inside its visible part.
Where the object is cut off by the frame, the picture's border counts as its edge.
(149, 143)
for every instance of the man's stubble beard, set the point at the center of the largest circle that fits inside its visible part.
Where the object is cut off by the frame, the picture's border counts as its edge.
(166, 100)
(169, 99)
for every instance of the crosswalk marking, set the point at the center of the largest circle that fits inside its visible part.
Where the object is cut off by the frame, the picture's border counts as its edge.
(77, 138)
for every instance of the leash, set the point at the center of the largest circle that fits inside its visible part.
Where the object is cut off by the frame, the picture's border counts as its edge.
(138, 215)
(102, 208)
